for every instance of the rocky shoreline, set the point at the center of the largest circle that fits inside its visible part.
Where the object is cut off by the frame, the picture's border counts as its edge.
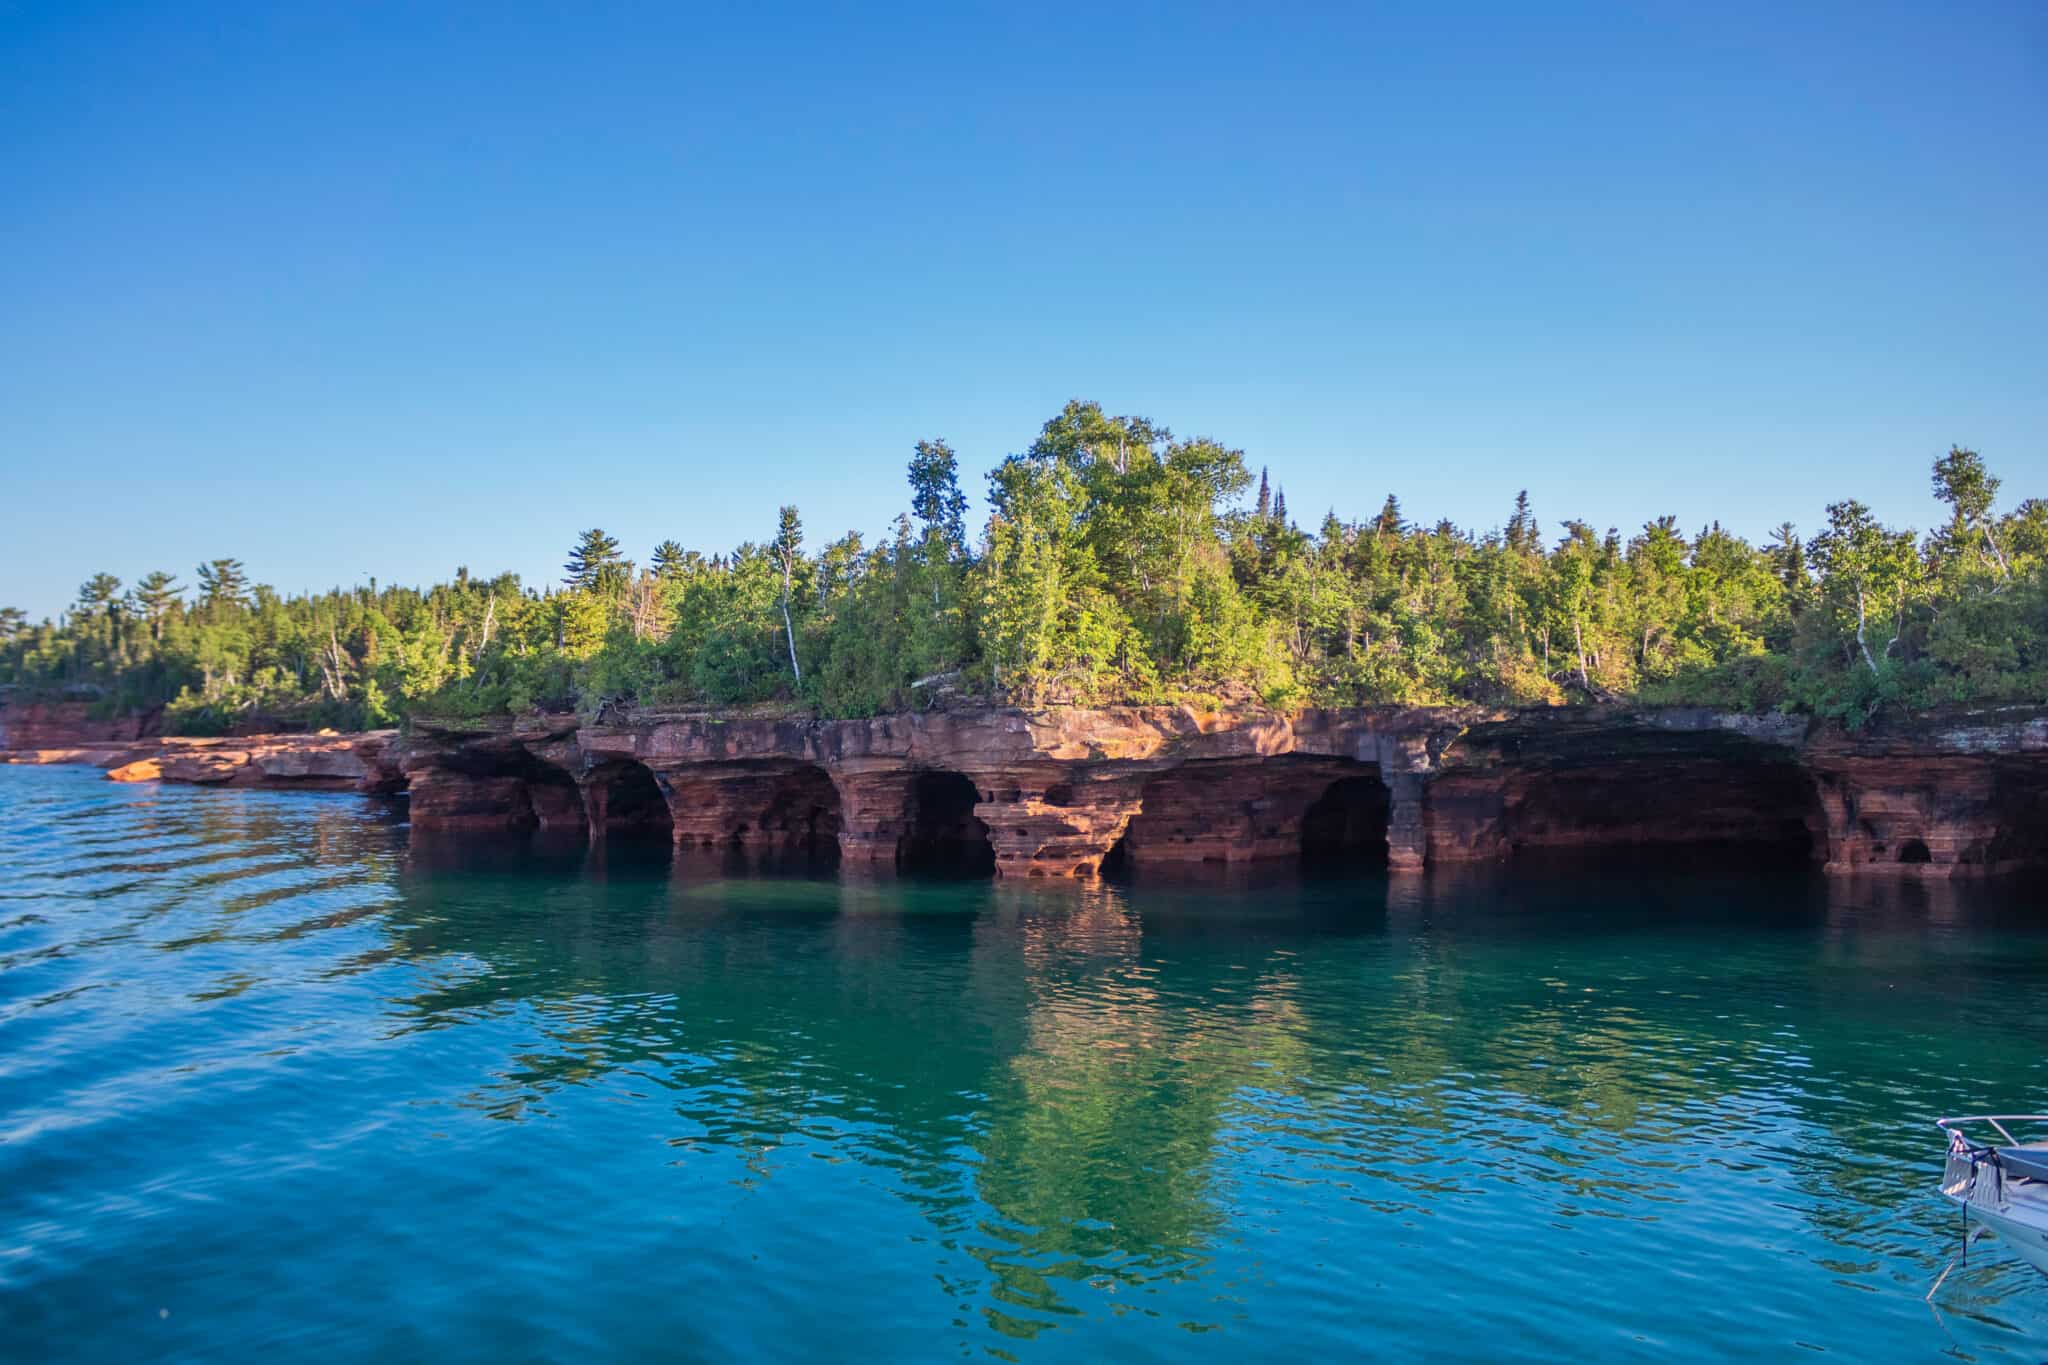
(1067, 791)
(365, 762)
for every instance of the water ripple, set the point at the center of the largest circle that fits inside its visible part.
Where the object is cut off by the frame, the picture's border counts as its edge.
(270, 1082)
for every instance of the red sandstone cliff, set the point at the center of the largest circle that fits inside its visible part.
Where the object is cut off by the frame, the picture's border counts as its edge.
(1063, 791)
(323, 762)
(70, 725)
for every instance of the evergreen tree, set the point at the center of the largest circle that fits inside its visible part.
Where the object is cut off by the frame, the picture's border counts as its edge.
(223, 584)
(1390, 523)
(97, 595)
(1523, 535)
(594, 561)
(155, 594)
(1788, 556)
(1111, 572)
(670, 560)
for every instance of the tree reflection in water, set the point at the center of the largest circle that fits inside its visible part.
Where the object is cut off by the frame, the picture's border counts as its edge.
(1070, 1083)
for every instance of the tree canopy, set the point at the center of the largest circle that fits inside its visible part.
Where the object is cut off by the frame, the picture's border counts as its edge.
(1118, 563)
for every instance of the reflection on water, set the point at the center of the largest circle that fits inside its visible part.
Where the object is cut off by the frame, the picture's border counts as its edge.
(272, 1078)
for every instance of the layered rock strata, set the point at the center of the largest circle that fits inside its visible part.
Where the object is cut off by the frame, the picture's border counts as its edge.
(365, 762)
(1068, 791)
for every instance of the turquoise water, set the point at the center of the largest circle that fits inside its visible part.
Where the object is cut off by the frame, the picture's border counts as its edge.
(273, 1083)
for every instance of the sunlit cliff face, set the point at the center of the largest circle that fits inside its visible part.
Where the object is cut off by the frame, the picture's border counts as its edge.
(981, 792)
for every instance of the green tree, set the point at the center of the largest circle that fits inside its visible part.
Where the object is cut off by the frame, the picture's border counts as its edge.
(1969, 489)
(1116, 565)
(595, 563)
(1866, 569)
(1523, 536)
(671, 561)
(223, 585)
(155, 595)
(1389, 522)
(935, 496)
(98, 595)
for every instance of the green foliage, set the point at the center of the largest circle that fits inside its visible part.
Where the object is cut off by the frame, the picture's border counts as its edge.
(1118, 564)
(223, 585)
(671, 560)
(595, 564)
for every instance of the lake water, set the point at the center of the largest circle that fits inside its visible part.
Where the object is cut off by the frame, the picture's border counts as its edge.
(274, 1084)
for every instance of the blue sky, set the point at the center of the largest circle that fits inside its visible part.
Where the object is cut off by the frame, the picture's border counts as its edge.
(382, 289)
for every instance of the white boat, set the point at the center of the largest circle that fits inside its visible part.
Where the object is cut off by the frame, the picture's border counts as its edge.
(2000, 1179)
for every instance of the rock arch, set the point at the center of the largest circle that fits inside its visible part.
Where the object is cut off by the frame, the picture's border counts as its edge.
(1257, 809)
(1626, 793)
(499, 787)
(941, 832)
(624, 796)
(1345, 829)
(801, 817)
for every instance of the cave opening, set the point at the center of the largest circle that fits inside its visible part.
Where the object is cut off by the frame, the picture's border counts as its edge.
(1914, 851)
(1345, 829)
(942, 835)
(1117, 862)
(802, 816)
(556, 803)
(626, 798)
(1286, 810)
(1690, 802)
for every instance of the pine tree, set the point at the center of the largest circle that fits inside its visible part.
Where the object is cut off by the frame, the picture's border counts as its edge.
(13, 622)
(1390, 523)
(223, 583)
(669, 558)
(594, 561)
(1280, 507)
(1523, 537)
(96, 596)
(1788, 555)
(1264, 508)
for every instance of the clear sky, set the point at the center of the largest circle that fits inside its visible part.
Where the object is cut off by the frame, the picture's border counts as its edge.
(360, 288)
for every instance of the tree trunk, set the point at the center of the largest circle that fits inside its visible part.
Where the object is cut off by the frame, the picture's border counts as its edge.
(1991, 539)
(1859, 633)
(789, 629)
(1579, 647)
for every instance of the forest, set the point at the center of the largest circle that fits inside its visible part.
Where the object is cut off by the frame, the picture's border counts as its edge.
(1118, 564)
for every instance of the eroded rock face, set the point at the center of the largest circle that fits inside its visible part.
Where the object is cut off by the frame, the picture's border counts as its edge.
(1262, 809)
(1531, 784)
(70, 725)
(1063, 792)
(325, 762)
(1938, 795)
(1041, 793)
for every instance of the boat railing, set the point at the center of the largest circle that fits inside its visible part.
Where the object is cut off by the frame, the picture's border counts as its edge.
(1969, 1178)
(1962, 1125)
